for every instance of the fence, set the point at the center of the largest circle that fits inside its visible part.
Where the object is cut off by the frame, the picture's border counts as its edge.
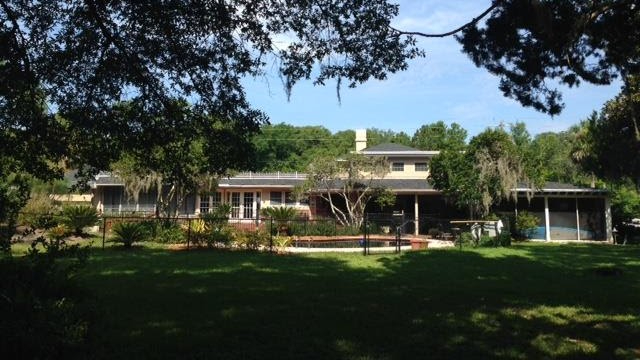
(374, 230)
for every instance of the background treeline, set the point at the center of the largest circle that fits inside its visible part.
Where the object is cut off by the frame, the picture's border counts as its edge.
(284, 147)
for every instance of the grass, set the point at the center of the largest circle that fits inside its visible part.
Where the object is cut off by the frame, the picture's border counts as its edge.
(528, 301)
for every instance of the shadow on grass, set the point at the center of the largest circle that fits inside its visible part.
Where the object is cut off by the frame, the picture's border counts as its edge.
(525, 302)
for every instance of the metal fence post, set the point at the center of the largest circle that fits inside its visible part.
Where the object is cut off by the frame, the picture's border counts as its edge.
(364, 238)
(188, 231)
(270, 234)
(104, 230)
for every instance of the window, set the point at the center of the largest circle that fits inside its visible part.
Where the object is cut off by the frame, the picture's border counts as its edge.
(421, 166)
(289, 198)
(397, 166)
(216, 199)
(235, 205)
(276, 198)
(204, 204)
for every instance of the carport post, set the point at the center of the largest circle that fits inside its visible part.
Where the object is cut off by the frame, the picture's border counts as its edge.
(547, 229)
(104, 230)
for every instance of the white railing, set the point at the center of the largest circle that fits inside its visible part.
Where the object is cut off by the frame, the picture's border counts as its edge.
(271, 175)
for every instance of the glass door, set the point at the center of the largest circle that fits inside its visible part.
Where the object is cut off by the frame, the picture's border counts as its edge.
(248, 205)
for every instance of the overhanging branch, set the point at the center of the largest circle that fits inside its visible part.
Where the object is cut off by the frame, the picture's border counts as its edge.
(495, 4)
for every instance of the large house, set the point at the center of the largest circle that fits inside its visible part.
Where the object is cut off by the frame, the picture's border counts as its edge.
(565, 212)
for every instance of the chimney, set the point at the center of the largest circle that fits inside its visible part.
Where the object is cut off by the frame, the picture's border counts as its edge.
(361, 139)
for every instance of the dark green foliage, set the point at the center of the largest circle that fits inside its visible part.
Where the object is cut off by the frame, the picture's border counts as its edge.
(217, 217)
(530, 44)
(170, 233)
(318, 227)
(625, 203)
(437, 136)
(504, 238)
(481, 176)
(613, 132)
(82, 59)
(45, 313)
(128, 233)
(283, 147)
(379, 136)
(280, 213)
(78, 217)
(526, 224)
(14, 193)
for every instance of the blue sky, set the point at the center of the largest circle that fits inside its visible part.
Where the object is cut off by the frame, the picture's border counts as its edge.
(445, 85)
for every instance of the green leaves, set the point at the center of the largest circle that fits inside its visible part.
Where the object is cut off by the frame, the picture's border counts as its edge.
(482, 175)
(128, 233)
(530, 44)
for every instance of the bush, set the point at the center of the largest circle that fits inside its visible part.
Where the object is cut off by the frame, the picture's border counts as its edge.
(504, 239)
(220, 237)
(196, 230)
(281, 242)
(78, 217)
(39, 212)
(526, 224)
(58, 233)
(128, 233)
(164, 231)
(251, 240)
(218, 217)
(45, 313)
(347, 230)
(465, 238)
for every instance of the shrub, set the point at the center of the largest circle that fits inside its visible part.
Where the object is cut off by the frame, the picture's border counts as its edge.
(281, 216)
(323, 228)
(196, 230)
(45, 314)
(281, 242)
(465, 238)
(58, 233)
(220, 237)
(526, 224)
(218, 217)
(39, 212)
(78, 217)
(251, 240)
(128, 233)
(347, 230)
(163, 231)
(504, 239)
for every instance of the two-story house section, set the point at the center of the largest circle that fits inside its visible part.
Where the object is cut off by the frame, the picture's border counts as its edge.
(407, 177)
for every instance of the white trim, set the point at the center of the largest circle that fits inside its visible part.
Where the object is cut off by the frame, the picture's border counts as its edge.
(547, 228)
(416, 220)
(577, 219)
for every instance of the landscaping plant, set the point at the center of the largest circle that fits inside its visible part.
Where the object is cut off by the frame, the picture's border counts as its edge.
(128, 233)
(281, 215)
(78, 217)
(39, 212)
(526, 224)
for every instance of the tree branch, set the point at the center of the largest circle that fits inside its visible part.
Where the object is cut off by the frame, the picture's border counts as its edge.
(475, 20)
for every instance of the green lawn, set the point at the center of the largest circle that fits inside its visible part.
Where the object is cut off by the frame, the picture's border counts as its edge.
(528, 301)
